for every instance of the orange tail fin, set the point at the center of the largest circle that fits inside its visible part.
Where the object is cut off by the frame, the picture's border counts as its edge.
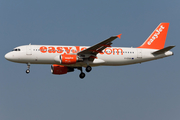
(157, 39)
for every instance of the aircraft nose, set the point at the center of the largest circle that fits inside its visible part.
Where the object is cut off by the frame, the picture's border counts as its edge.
(8, 56)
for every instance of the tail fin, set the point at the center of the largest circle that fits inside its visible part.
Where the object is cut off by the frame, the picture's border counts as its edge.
(157, 39)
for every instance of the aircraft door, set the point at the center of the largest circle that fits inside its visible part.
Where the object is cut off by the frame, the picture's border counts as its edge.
(139, 53)
(28, 50)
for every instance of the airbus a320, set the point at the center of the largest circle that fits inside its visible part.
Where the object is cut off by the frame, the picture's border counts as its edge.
(64, 59)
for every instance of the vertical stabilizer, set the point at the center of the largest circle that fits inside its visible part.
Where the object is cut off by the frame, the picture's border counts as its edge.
(157, 39)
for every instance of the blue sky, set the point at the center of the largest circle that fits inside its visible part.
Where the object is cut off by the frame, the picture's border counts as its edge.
(143, 91)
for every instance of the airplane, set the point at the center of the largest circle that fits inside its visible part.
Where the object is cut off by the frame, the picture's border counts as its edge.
(64, 59)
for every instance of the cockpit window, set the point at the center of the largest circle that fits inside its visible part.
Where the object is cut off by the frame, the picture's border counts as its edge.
(17, 49)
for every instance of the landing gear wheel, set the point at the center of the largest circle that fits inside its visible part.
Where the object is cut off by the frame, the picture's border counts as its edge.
(82, 75)
(88, 68)
(27, 71)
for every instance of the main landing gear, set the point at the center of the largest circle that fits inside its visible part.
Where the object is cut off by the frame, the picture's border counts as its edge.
(82, 74)
(88, 68)
(28, 66)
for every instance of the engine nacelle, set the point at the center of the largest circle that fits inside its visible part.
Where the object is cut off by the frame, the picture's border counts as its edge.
(60, 69)
(69, 59)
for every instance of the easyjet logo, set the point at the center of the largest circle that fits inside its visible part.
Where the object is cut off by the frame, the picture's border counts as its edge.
(69, 58)
(76, 49)
(156, 34)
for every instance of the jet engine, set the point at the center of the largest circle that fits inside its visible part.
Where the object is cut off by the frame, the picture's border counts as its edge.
(69, 59)
(60, 69)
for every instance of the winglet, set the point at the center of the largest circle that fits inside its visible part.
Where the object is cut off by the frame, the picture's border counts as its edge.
(119, 36)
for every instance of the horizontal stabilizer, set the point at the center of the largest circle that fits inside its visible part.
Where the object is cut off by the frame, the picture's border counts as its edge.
(163, 50)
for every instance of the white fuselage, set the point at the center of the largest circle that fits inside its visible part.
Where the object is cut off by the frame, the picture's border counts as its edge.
(111, 56)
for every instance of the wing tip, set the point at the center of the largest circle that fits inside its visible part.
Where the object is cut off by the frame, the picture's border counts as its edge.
(119, 36)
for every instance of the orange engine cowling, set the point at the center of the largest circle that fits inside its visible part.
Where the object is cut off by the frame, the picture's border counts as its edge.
(68, 59)
(60, 69)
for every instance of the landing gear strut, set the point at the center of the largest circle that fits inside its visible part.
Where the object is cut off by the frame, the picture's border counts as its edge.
(28, 66)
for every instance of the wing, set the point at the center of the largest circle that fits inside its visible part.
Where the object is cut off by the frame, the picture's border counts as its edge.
(97, 48)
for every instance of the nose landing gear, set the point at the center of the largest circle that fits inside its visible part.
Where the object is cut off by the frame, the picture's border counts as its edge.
(27, 71)
(28, 66)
